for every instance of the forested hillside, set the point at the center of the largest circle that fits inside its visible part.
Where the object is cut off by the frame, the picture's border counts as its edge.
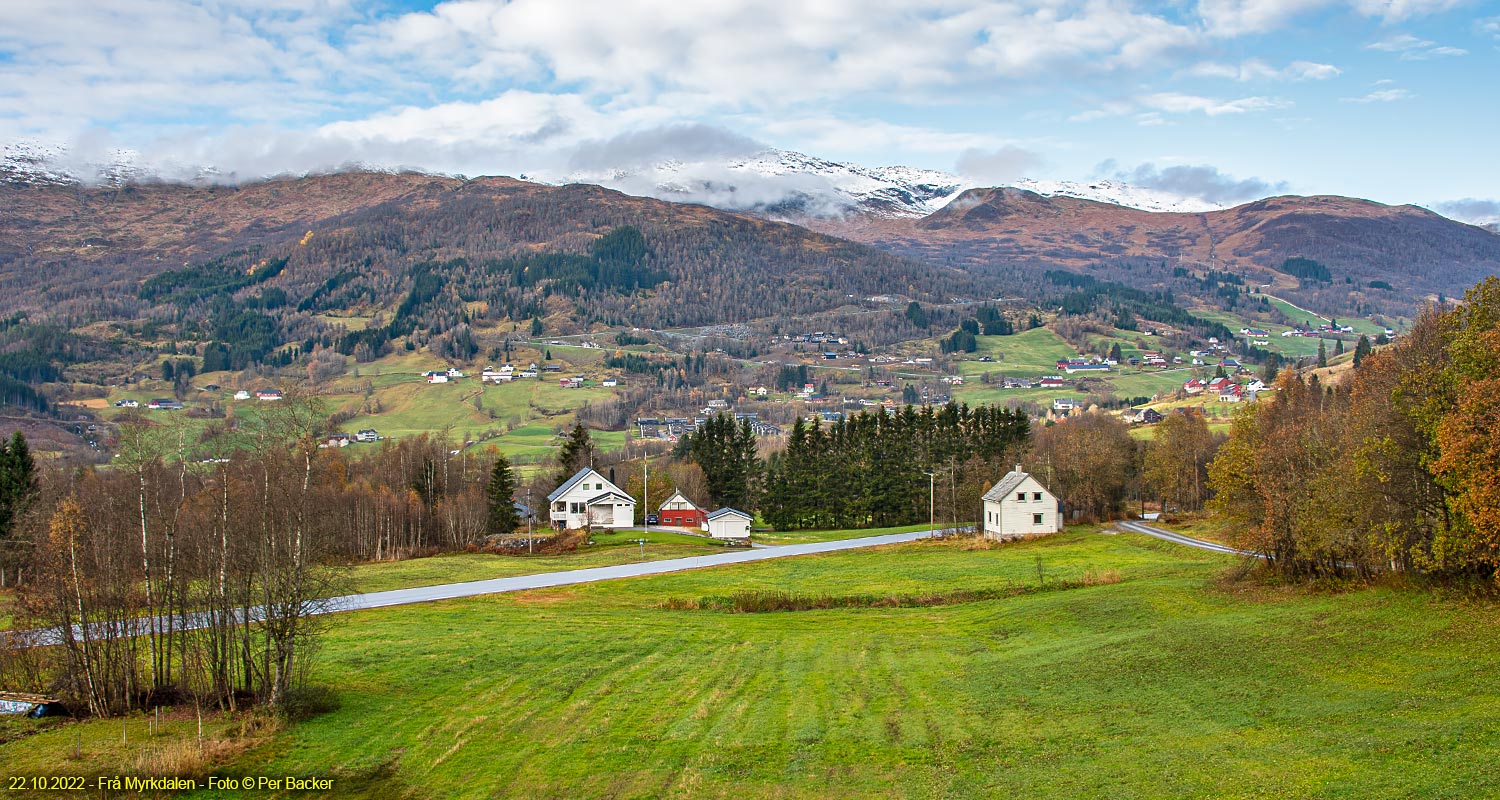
(431, 249)
(1375, 258)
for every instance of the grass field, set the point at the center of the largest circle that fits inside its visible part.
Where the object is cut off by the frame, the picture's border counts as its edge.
(802, 537)
(1167, 684)
(609, 549)
(519, 417)
(1028, 353)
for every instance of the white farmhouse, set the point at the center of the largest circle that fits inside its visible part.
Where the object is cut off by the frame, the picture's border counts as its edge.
(587, 500)
(1019, 506)
(728, 523)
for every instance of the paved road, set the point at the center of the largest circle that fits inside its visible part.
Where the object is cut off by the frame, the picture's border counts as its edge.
(519, 583)
(1177, 538)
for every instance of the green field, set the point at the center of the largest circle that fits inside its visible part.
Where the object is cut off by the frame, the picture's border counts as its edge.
(1025, 354)
(609, 549)
(520, 417)
(1036, 352)
(1169, 683)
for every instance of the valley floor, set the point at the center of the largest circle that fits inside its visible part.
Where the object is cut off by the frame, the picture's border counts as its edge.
(1172, 682)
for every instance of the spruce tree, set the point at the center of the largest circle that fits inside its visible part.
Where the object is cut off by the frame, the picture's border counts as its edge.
(1361, 350)
(576, 453)
(17, 482)
(500, 495)
(1338, 347)
(1322, 353)
(1272, 368)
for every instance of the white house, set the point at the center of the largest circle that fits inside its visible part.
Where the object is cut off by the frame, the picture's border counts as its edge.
(242, 395)
(588, 500)
(1019, 506)
(728, 523)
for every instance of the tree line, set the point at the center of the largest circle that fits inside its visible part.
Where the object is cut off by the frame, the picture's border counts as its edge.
(1395, 469)
(213, 547)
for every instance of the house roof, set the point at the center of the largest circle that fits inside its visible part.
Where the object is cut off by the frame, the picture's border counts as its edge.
(678, 495)
(570, 483)
(610, 495)
(1007, 484)
(726, 511)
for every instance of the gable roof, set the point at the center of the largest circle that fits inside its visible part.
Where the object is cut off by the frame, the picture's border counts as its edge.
(726, 511)
(677, 494)
(609, 495)
(1007, 484)
(573, 481)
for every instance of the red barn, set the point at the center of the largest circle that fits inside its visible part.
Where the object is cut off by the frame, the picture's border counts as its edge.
(681, 512)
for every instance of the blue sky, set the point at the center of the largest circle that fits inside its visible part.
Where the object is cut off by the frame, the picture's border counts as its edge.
(1394, 100)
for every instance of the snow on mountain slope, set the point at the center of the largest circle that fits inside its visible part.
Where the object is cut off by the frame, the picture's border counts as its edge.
(37, 163)
(774, 183)
(1120, 194)
(782, 183)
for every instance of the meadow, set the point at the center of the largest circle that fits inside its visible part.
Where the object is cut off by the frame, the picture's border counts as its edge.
(1175, 681)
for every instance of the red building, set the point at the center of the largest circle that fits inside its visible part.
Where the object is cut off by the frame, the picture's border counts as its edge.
(681, 512)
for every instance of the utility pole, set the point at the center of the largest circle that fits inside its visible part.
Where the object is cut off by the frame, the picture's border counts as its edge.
(645, 491)
(931, 518)
(529, 517)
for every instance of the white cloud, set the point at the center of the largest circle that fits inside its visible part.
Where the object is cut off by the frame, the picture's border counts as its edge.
(1255, 69)
(1380, 96)
(1471, 209)
(1241, 17)
(999, 166)
(1411, 48)
(1188, 180)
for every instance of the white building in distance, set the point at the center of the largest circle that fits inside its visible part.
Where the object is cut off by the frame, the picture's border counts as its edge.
(1019, 506)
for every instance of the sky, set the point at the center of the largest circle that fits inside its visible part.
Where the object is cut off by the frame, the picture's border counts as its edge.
(1392, 100)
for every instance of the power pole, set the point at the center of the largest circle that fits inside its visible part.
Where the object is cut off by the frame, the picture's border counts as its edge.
(931, 493)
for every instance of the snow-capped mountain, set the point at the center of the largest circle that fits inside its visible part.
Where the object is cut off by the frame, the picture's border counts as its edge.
(37, 163)
(1120, 194)
(786, 184)
(783, 184)
(774, 183)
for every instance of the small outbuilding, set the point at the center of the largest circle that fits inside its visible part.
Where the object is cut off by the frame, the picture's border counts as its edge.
(1019, 506)
(681, 512)
(729, 523)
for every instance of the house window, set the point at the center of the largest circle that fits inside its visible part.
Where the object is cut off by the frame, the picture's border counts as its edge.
(1036, 519)
(575, 508)
(1037, 496)
(1021, 496)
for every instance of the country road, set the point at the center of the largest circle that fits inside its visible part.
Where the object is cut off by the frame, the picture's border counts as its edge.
(1177, 538)
(546, 580)
(518, 583)
(449, 591)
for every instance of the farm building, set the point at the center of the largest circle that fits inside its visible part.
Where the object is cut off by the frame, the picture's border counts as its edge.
(587, 500)
(1019, 506)
(682, 512)
(729, 523)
